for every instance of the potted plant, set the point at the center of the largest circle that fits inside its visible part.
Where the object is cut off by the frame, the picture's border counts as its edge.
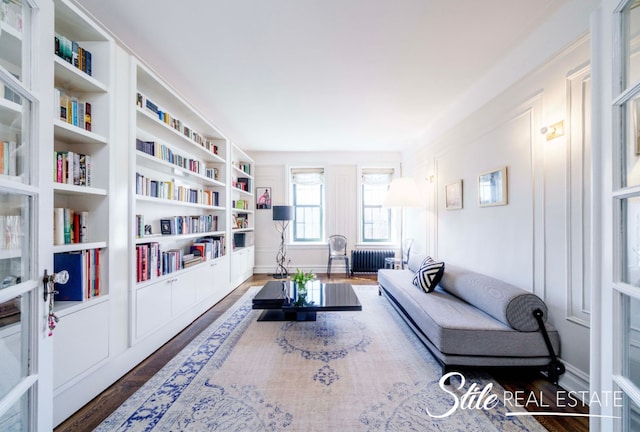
(300, 278)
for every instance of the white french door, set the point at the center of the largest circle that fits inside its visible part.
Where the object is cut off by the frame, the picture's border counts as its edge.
(625, 286)
(25, 345)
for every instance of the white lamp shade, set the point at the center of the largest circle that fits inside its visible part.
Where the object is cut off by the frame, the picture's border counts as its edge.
(403, 193)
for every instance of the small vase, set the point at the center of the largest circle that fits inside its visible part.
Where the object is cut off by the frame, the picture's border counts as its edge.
(301, 294)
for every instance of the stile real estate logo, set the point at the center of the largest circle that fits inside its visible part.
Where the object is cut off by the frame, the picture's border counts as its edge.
(478, 397)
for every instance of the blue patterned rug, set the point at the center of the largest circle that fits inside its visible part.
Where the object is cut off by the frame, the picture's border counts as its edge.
(347, 371)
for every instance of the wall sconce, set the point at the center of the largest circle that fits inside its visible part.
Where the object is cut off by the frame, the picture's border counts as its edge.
(554, 131)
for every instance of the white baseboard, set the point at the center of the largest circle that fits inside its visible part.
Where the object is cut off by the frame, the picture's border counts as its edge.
(574, 379)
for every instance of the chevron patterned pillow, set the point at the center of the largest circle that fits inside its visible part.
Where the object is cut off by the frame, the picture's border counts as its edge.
(429, 274)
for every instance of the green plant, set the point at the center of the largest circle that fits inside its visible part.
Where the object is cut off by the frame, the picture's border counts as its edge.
(301, 278)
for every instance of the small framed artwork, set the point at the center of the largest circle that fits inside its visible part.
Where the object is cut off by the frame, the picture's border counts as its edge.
(263, 198)
(636, 124)
(492, 188)
(453, 195)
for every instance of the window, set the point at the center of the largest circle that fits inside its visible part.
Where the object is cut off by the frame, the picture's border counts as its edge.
(375, 220)
(308, 204)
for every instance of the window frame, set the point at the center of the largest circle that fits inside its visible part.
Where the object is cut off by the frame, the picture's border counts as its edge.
(294, 198)
(394, 170)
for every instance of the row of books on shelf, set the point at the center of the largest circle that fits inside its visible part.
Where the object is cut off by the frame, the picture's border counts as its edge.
(242, 239)
(165, 153)
(174, 225)
(152, 261)
(9, 156)
(71, 168)
(243, 166)
(170, 191)
(70, 226)
(240, 204)
(71, 52)
(84, 275)
(11, 14)
(73, 111)
(240, 220)
(143, 102)
(12, 233)
(242, 183)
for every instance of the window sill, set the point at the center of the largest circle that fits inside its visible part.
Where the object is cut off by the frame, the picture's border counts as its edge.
(372, 245)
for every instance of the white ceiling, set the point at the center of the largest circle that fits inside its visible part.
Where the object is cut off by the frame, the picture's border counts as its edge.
(283, 75)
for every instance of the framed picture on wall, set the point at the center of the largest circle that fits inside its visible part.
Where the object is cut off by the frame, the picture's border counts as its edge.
(263, 198)
(453, 195)
(636, 124)
(492, 188)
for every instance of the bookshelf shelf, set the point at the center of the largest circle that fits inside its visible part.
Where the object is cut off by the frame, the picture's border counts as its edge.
(147, 121)
(73, 79)
(162, 201)
(158, 164)
(242, 230)
(243, 192)
(240, 173)
(170, 238)
(69, 189)
(65, 308)
(236, 210)
(74, 247)
(74, 135)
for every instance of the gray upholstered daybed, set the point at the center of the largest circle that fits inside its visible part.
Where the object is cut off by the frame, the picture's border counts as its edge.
(473, 320)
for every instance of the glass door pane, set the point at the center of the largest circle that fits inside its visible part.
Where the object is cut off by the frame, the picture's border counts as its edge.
(15, 214)
(17, 306)
(14, 135)
(631, 27)
(12, 47)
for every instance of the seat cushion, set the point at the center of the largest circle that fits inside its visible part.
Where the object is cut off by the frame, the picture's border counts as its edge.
(457, 328)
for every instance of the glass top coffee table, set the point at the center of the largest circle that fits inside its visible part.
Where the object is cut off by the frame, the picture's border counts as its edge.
(283, 301)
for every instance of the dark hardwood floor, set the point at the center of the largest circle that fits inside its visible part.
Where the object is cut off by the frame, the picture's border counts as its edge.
(92, 414)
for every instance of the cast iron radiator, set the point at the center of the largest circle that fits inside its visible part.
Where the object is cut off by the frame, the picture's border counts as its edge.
(369, 261)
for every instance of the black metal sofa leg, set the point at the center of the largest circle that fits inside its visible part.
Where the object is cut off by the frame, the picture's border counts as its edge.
(555, 368)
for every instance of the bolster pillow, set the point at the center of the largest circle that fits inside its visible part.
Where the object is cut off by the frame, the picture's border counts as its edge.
(506, 303)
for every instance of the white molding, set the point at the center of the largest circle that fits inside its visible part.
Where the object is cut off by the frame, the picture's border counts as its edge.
(574, 379)
(578, 180)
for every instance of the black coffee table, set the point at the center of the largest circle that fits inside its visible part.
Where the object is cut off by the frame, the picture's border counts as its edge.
(281, 300)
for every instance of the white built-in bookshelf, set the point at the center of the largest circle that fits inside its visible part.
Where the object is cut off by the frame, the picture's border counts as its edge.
(126, 168)
(180, 187)
(82, 55)
(243, 206)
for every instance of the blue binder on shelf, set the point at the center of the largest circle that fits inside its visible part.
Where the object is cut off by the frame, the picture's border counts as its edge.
(72, 262)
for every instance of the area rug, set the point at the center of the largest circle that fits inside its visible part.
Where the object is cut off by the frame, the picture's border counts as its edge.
(347, 371)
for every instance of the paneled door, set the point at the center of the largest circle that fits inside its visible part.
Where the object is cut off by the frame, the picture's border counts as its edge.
(25, 344)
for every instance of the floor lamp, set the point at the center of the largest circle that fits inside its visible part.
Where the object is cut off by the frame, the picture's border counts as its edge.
(281, 216)
(403, 193)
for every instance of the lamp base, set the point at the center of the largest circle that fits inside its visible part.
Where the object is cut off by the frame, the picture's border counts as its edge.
(280, 276)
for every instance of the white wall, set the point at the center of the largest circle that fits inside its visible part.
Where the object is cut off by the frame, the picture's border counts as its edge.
(540, 240)
(341, 182)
